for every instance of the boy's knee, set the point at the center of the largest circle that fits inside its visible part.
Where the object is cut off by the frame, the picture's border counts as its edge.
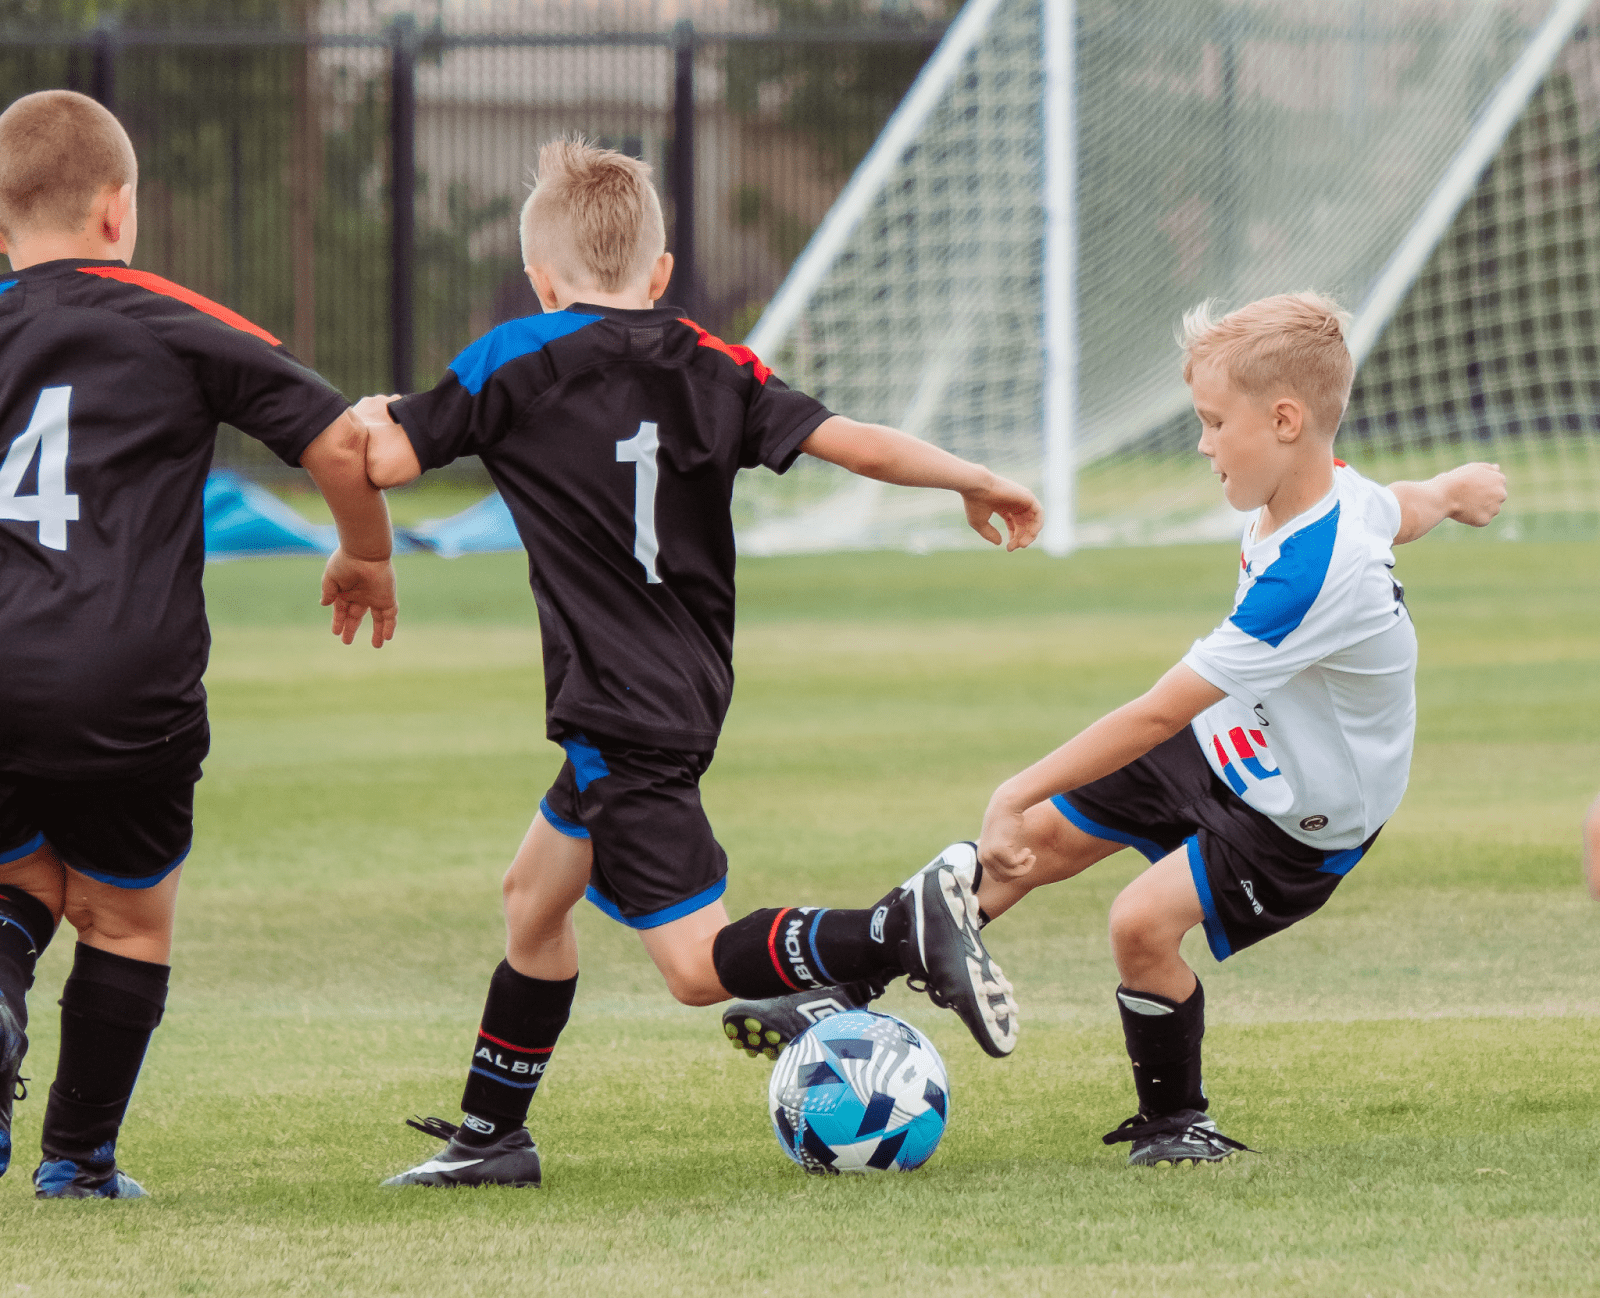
(1137, 931)
(691, 977)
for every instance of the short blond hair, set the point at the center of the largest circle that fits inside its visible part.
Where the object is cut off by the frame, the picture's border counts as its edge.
(593, 216)
(59, 151)
(1292, 342)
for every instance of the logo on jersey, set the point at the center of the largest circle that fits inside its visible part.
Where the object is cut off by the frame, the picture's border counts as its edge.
(1313, 823)
(1250, 892)
(1246, 763)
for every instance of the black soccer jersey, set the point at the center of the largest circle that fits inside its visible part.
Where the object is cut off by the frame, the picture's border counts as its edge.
(112, 383)
(614, 437)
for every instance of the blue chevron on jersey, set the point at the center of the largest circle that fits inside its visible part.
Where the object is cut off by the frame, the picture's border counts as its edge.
(1282, 595)
(513, 339)
(10, 283)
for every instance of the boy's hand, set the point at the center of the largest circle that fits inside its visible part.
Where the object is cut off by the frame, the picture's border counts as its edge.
(1476, 492)
(356, 586)
(1001, 847)
(391, 460)
(1014, 503)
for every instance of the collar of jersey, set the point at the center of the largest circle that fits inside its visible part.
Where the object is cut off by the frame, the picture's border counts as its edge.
(43, 268)
(1298, 523)
(652, 315)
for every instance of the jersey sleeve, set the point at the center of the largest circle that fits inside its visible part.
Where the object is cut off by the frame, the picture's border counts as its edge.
(777, 420)
(247, 377)
(450, 420)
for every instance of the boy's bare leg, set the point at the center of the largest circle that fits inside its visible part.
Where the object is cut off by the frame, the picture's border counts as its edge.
(545, 883)
(135, 923)
(1061, 850)
(1148, 921)
(682, 951)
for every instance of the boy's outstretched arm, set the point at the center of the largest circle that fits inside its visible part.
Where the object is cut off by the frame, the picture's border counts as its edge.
(887, 454)
(359, 576)
(1471, 494)
(1108, 745)
(391, 459)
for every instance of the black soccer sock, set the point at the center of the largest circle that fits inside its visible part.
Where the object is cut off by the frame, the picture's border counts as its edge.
(109, 1007)
(26, 927)
(774, 952)
(522, 1019)
(1163, 1039)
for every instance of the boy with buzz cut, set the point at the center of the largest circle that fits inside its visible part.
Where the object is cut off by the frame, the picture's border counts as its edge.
(614, 430)
(112, 383)
(1257, 772)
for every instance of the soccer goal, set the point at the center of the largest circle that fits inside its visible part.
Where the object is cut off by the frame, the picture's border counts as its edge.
(1003, 273)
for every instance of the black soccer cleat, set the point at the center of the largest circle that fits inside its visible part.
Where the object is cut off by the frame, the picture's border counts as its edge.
(1187, 1136)
(511, 1160)
(13, 1046)
(944, 954)
(766, 1027)
(96, 1177)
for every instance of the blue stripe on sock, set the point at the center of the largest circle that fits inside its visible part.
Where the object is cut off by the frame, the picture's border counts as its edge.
(558, 824)
(657, 918)
(816, 956)
(1152, 850)
(1216, 935)
(495, 1077)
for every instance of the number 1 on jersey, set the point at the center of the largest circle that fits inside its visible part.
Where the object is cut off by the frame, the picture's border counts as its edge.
(641, 450)
(52, 508)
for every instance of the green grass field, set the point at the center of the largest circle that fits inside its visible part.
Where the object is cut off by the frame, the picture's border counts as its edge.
(1417, 1064)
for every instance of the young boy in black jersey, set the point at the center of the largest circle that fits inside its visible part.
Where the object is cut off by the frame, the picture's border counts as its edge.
(614, 430)
(112, 383)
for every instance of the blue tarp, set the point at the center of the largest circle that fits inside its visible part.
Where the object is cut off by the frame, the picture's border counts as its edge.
(247, 521)
(484, 528)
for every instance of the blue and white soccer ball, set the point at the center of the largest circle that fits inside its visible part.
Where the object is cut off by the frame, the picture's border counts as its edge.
(859, 1092)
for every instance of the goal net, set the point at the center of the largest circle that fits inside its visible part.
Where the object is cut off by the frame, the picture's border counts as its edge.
(1003, 274)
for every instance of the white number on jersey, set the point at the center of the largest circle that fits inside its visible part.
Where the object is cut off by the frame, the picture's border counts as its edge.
(52, 509)
(641, 450)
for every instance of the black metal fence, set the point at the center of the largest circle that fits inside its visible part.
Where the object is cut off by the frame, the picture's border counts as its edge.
(356, 192)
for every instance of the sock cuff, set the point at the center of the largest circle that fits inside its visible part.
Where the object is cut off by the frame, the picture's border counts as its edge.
(523, 984)
(22, 909)
(1158, 1027)
(102, 978)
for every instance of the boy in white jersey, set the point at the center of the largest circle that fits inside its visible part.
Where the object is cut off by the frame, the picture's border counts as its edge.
(1256, 773)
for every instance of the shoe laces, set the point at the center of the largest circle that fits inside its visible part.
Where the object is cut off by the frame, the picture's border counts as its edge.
(20, 1088)
(435, 1127)
(928, 990)
(1139, 1127)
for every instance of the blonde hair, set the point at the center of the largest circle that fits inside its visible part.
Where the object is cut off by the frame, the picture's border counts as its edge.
(59, 151)
(1293, 342)
(593, 216)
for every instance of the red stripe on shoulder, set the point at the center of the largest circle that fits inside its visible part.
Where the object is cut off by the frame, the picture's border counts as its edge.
(1339, 464)
(741, 355)
(144, 279)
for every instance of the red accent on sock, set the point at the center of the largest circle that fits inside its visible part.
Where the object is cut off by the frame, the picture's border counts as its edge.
(521, 1050)
(772, 950)
(144, 279)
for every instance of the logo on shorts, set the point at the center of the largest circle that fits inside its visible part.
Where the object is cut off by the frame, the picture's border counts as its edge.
(1250, 892)
(1313, 823)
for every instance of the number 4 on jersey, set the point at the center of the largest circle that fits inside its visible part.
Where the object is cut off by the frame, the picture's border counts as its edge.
(46, 434)
(641, 449)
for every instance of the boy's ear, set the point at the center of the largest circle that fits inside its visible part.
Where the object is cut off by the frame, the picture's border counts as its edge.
(660, 275)
(539, 277)
(1288, 419)
(110, 212)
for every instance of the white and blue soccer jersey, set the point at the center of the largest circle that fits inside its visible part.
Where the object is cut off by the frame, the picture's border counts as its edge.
(1319, 661)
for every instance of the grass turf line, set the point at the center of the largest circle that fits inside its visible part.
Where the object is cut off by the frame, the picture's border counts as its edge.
(1416, 1063)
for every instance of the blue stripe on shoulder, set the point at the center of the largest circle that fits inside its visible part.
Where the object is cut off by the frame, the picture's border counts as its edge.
(10, 283)
(513, 339)
(1285, 592)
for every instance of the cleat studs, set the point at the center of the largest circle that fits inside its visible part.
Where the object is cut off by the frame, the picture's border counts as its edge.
(771, 1052)
(773, 1038)
(752, 1025)
(732, 1030)
(752, 1053)
(754, 1038)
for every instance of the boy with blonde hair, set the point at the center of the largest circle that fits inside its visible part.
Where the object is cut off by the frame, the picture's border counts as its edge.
(614, 430)
(112, 383)
(1256, 773)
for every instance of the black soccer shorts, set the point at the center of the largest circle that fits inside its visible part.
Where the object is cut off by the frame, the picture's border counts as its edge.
(1253, 879)
(655, 858)
(129, 833)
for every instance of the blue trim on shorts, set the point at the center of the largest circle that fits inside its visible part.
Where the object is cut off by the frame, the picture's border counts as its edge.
(1341, 863)
(811, 939)
(1151, 850)
(587, 763)
(1216, 936)
(133, 885)
(558, 824)
(27, 849)
(657, 918)
(521, 1086)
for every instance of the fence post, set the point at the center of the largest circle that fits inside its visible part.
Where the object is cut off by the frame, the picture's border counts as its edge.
(682, 168)
(402, 200)
(103, 82)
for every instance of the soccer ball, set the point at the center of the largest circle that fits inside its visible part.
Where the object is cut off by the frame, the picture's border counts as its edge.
(859, 1092)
